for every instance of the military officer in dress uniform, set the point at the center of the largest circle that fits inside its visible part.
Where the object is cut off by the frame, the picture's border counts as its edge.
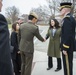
(28, 31)
(67, 37)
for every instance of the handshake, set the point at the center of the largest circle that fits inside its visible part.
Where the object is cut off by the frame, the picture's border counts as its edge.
(44, 39)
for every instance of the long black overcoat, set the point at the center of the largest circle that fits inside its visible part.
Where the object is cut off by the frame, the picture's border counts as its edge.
(5, 56)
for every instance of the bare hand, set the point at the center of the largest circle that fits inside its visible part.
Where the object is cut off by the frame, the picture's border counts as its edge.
(44, 39)
(64, 52)
(18, 52)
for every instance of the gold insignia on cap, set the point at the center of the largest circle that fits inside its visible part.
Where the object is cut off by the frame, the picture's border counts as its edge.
(66, 6)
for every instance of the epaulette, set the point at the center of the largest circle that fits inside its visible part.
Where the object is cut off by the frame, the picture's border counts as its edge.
(67, 16)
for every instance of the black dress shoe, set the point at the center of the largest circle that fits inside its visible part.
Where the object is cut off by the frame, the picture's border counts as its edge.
(49, 68)
(57, 69)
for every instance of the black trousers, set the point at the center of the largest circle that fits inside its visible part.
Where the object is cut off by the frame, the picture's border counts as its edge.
(19, 61)
(17, 64)
(50, 62)
(70, 61)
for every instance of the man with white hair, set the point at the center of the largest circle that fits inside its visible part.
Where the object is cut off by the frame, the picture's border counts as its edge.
(67, 37)
(5, 57)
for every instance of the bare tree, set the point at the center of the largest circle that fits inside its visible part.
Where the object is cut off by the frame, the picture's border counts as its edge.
(65, 0)
(53, 5)
(12, 13)
(42, 11)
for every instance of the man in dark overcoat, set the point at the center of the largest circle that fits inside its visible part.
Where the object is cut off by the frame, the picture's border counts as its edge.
(67, 37)
(5, 57)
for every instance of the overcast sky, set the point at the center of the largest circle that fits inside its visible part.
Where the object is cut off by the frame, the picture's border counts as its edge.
(23, 5)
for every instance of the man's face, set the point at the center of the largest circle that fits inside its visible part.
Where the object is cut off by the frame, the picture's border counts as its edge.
(62, 12)
(20, 21)
(0, 5)
(34, 20)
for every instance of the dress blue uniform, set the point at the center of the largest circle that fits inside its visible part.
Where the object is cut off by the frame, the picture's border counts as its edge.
(68, 39)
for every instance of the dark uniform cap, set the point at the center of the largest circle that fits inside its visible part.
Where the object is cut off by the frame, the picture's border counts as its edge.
(65, 5)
